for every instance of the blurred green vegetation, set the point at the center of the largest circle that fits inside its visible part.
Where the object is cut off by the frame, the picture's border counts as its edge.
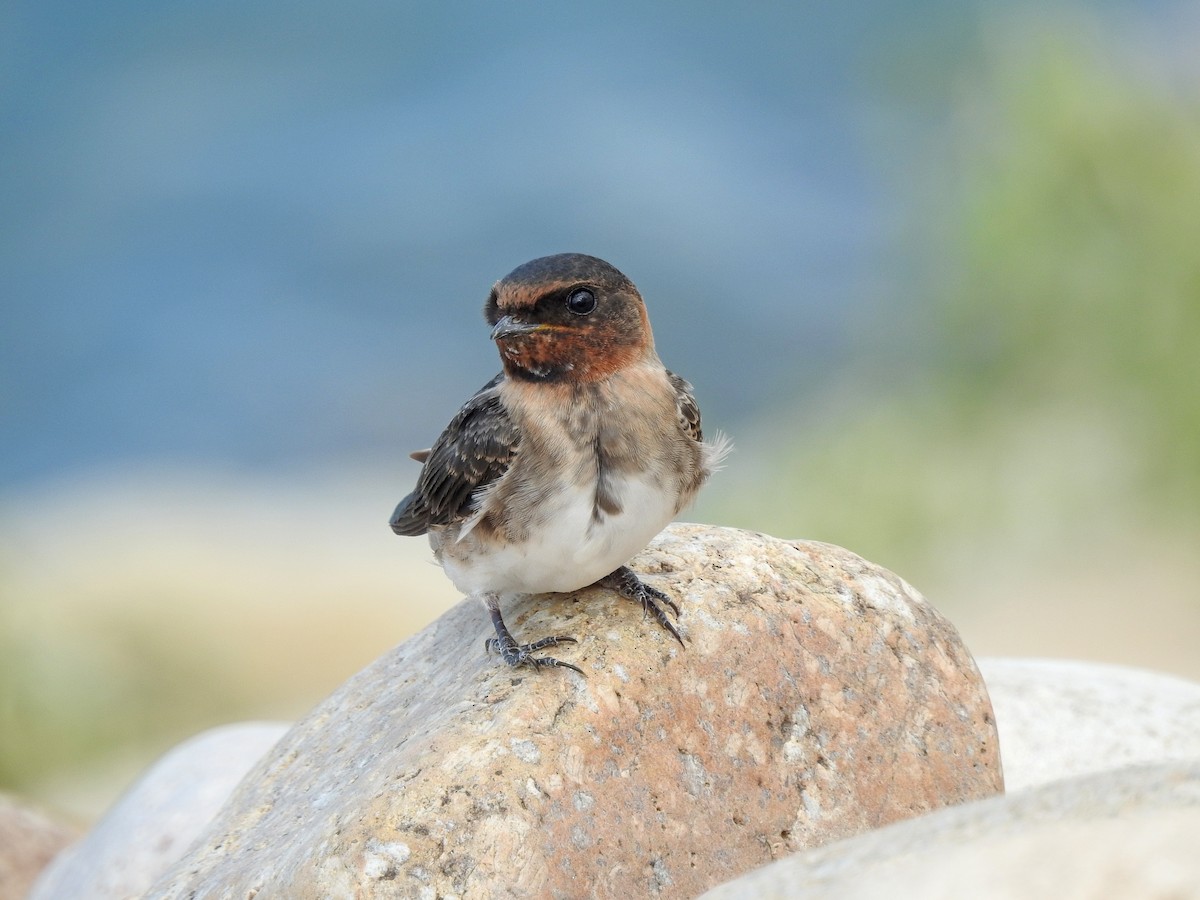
(1040, 384)
(79, 685)
(1077, 280)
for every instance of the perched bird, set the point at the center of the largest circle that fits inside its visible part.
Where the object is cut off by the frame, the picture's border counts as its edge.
(568, 462)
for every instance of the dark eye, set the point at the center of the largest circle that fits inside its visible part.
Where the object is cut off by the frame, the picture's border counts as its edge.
(581, 301)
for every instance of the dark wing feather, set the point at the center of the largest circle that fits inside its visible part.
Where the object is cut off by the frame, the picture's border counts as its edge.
(689, 412)
(475, 449)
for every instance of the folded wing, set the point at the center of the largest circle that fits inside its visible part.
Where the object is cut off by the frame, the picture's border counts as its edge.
(476, 448)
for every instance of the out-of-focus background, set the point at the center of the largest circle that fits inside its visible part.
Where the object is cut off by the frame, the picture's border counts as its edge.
(935, 266)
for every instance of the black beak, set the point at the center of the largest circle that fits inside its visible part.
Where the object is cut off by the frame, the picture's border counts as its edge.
(509, 327)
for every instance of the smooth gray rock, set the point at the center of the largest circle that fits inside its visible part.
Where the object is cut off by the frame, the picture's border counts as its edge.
(158, 818)
(1130, 834)
(1060, 719)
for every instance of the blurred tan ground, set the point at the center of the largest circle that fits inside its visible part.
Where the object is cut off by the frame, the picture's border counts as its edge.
(1133, 599)
(141, 608)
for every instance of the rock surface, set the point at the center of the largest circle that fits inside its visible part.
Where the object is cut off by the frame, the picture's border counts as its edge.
(818, 696)
(158, 818)
(1129, 834)
(1059, 719)
(28, 841)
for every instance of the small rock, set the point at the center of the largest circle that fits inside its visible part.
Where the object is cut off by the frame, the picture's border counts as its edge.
(28, 841)
(158, 818)
(1059, 718)
(818, 696)
(1128, 834)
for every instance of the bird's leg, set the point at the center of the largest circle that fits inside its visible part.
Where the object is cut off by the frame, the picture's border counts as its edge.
(521, 654)
(626, 583)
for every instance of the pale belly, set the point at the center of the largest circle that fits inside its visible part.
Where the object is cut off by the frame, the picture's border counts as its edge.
(571, 551)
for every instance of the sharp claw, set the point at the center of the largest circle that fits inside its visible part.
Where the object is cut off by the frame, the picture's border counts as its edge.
(652, 594)
(515, 654)
(665, 623)
(628, 585)
(549, 661)
(661, 618)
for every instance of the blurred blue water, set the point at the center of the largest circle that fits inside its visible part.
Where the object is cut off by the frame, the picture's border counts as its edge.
(260, 234)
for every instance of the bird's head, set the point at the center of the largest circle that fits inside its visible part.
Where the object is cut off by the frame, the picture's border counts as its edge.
(568, 317)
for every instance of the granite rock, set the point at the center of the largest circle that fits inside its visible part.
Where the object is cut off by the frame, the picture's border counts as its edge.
(1060, 718)
(1126, 834)
(157, 819)
(818, 696)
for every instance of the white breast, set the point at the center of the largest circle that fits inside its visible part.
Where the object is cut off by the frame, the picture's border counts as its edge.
(571, 550)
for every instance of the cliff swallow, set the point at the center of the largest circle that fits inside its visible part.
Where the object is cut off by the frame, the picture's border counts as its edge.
(567, 463)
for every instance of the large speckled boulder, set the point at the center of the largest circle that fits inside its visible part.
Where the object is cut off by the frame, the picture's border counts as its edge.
(818, 696)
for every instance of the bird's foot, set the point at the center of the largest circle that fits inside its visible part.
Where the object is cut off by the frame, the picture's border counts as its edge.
(522, 654)
(626, 583)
